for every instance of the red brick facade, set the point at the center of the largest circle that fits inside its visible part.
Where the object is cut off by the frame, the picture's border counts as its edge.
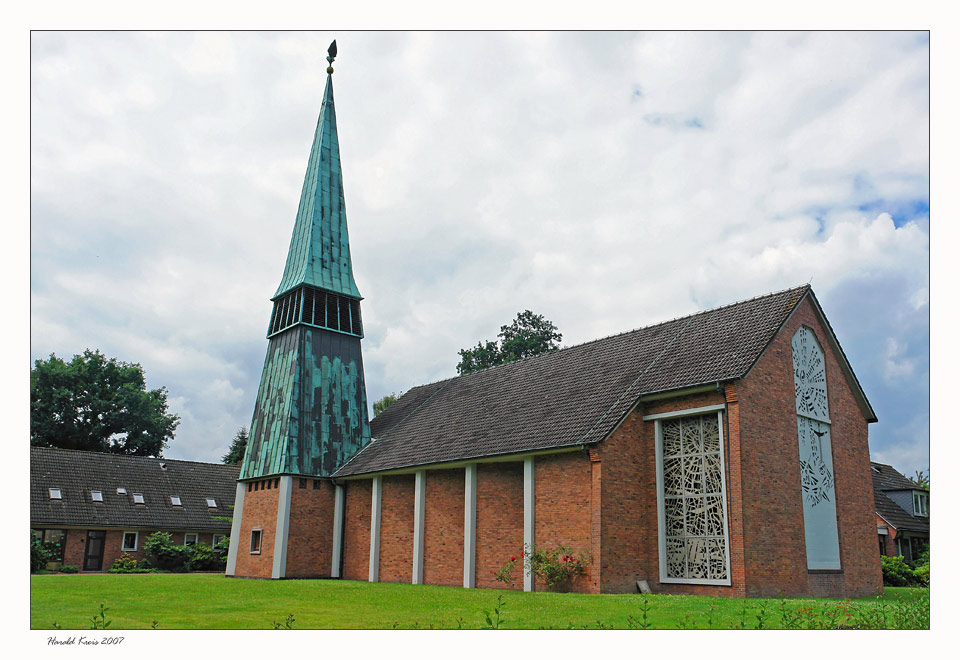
(499, 521)
(356, 530)
(75, 544)
(310, 540)
(443, 528)
(259, 512)
(396, 529)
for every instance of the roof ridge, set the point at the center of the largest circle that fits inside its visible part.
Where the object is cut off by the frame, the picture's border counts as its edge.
(133, 456)
(620, 334)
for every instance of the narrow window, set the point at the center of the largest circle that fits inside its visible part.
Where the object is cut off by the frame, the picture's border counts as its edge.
(276, 483)
(211, 503)
(175, 500)
(255, 536)
(137, 498)
(53, 541)
(55, 494)
(96, 495)
(303, 483)
(130, 541)
(316, 484)
(190, 538)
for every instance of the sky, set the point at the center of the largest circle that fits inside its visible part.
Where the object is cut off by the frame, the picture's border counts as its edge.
(607, 180)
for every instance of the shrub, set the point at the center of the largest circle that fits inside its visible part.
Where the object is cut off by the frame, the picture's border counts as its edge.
(162, 553)
(67, 568)
(201, 557)
(922, 575)
(896, 573)
(39, 554)
(124, 564)
(556, 567)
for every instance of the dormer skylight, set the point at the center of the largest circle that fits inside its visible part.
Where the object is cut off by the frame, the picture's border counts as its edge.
(137, 498)
(55, 494)
(175, 500)
(121, 491)
(212, 503)
(96, 495)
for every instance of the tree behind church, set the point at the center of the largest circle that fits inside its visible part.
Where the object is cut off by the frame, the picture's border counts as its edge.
(528, 335)
(238, 446)
(93, 403)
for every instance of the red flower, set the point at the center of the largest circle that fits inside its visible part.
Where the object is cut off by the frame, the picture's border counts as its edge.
(522, 554)
(513, 559)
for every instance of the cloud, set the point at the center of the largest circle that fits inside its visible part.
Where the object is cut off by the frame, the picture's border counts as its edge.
(484, 173)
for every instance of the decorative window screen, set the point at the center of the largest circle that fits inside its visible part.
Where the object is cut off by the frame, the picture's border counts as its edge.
(693, 520)
(816, 455)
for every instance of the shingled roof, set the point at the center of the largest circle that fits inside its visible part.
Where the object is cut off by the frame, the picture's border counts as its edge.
(77, 473)
(572, 396)
(885, 479)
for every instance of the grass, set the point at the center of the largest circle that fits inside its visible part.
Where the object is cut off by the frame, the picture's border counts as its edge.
(209, 601)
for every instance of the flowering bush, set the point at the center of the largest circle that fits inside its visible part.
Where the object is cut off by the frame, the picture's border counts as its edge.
(124, 564)
(556, 567)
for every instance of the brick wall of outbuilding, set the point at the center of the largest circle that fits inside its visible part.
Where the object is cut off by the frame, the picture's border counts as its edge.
(775, 549)
(356, 530)
(443, 528)
(396, 529)
(310, 541)
(499, 522)
(76, 544)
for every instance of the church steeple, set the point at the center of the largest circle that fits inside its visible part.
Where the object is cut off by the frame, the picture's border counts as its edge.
(319, 252)
(311, 410)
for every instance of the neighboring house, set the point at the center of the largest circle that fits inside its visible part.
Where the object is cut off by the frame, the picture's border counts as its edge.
(97, 506)
(903, 513)
(722, 453)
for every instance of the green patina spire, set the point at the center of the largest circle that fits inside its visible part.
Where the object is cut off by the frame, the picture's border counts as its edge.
(311, 409)
(319, 252)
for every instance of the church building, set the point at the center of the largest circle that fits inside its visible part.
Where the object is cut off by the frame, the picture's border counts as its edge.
(722, 453)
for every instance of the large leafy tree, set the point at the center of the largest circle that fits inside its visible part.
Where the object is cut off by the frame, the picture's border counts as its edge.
(382, 404)
(238, 446)
(529, 334)
(93, 403)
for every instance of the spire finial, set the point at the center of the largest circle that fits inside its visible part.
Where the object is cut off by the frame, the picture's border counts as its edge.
(331, 55)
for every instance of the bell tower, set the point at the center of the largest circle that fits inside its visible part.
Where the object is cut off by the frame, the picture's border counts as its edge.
(311, 410)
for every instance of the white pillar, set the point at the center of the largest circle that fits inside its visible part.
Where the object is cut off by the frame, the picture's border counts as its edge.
(337, 530)
(283, 527)
(470, 526)
(235, 529)
(528, 503)
(418, 511)
(374, 574)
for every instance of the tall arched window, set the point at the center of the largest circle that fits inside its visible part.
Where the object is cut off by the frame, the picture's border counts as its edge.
(816, 456)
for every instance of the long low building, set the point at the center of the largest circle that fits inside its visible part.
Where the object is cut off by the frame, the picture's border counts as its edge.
(93, 507)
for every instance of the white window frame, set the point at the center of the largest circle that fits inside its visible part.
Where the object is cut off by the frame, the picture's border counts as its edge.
(138, 498)
(96, 495)
(259, 532)
(123, 542)
(55, 493)
(209, 505)
(661, 523)
(195, 535)
(921, 498)
(121, 490)
(175, 500)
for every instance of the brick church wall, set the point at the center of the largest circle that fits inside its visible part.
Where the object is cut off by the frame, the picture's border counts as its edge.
(562, 512)
(775, 550)
(443, 528)
(499, 522)
(310, 541)
(356, 530)
(259, 511)
(396, 529)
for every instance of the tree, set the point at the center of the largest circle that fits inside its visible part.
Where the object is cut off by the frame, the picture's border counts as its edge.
(528, 335)
(382, 404)
(97, 404)
(238, 446)
(922, 479)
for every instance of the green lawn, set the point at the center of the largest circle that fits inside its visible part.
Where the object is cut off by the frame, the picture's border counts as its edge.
(208, 601)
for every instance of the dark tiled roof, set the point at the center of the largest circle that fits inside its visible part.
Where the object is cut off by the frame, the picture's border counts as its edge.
(77, 473)
(571, 396)
(888, 479)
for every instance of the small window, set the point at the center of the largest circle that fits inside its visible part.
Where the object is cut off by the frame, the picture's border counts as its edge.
(303, 483)
(137, 498)
(212, 503)
(255, 536)
(55, 494)
(121, 491)
(96, 495)
(920, 503)
(316, 484)
(190, 538)
(217, 538)
(175, 500)
(130, 541)
(54, 541)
